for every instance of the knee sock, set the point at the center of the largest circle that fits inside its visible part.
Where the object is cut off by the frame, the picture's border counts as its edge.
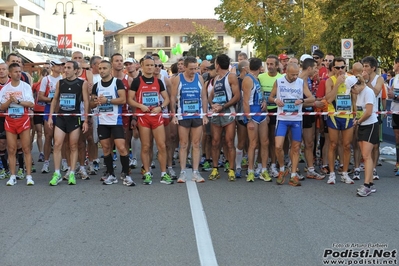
(397, 152)
(20, 158)
(238, 158)
(125, 164)
(108, 160)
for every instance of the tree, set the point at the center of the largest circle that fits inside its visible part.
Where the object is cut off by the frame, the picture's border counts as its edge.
(373, 25)
(203, 43)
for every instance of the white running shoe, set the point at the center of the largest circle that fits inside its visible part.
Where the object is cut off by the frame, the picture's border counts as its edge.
(29, 181)
(331, 179)
(110, 180)
(12, 181)
(346, 179)
(46, 167)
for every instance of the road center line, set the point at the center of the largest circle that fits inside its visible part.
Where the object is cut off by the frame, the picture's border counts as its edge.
(205, 249)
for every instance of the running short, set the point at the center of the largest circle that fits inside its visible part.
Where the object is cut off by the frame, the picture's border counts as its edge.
(295, 126)
(68, 123)
(17, 126)
(395, 121)
(369, 133)
(151, 122)
(166, 121)
(105, 132)
(45, 118)
(308, 121)
(38, 119)
(126, 121)
(222, 121)
(339, 123)
(189, 123)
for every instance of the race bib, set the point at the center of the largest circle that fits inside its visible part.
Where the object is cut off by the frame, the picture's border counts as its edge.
(16, 112)
(343, 103)
(191, 106)
(266, 95)
(51, 95)
(150, 99)
(289, 106)
(67, 101)
(219, 97)
(359, 111)
(107, 107)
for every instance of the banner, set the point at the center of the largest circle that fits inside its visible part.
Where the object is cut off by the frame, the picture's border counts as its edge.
(68, 41)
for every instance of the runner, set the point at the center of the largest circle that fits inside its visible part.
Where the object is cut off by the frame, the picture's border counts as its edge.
(4, 80)
(69, 94)
(16, 97)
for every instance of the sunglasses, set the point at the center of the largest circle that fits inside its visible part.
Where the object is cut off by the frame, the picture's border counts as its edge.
(159, 65)
(148, 57)
(339, 67)
(316, 57)
(357, 83)
(329, 60)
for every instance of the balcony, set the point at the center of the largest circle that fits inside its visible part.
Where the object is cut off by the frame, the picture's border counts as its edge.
(158, 46)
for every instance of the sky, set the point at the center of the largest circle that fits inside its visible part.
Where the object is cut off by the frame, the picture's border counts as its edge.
(123, 11)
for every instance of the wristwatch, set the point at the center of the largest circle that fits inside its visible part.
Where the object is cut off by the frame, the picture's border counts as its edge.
(108, 100)
(162, 107)
(18, 102)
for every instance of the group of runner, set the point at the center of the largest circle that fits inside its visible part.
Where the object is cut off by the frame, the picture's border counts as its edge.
(132, 100)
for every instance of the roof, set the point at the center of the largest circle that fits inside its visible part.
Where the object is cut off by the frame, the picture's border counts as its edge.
(171, 26)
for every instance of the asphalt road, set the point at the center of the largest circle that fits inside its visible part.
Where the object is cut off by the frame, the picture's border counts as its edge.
(235, 223)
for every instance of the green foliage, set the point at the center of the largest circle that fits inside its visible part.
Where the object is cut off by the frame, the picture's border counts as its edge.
(203, 43)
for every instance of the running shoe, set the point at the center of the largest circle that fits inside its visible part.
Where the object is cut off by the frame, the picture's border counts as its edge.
(46, 167)
(115, 157)
(128, 181)
(96, 165)
(274, 172)
(11, 182)
(3, 174)
(265, 176)
(379, 163)
(331, 178)
(66, 176)
(55, 180)
(294, 181)
(29, 181)
(20, 174)
(346, 179)
(226, 166)
(372, 188)
(206, 167)
(214, 174)
(147, 179)
(110, 180)
(142, 170)
(41, 157)
(396, 167)
(71, 179)
(251, 177)
(182, 177)
(356, 174)
(375, 175)
(33, 169)
(134, 163)
(165, 179)
(314, 175)
(258, 171)
(203, 159)
(244, 162)
(172, 173)
(364, 191)
(325, 169)
(281, 177)
(197, 177)
(83, 174)
(231, 175)
(104, 176)
(238, 173)
(91, 170)
(153, 165)
(64, 166)
(188, 163)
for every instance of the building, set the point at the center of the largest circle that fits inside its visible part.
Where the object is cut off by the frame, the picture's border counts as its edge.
(31, 28)
(150, 36)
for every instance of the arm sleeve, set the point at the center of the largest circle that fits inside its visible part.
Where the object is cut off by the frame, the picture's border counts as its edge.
(135, 84)
(94, 89)
(120, 85)
(161, 86)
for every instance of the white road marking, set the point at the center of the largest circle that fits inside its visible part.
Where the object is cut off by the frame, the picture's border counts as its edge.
(205, 249)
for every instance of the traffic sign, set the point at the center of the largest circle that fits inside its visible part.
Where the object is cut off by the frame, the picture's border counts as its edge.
(347, 48)
(314, 47)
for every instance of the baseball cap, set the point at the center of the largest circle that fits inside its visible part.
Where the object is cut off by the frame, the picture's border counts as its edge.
(130, 60)
(211, 67)
(56, 62)
(282, 57)
(305, 56)
(1, 61)
(350, 81)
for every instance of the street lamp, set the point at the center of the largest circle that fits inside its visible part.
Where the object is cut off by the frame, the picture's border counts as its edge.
(97, 28)
(293, 2)
(64, 11)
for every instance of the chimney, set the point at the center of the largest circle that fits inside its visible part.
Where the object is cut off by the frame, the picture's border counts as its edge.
(130, 23)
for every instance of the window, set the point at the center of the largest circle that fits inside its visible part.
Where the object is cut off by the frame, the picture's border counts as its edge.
(131, 54)
(131, 39)
(183, 39)
(238, 39)
(167, 41)
(220, 39)
(149, 41)
(237, 53)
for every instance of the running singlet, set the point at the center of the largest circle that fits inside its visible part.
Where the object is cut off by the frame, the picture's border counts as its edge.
(1, 87)
(126, 108)
(342, 102)
(110, 114)
(267, 83)
(189, 97)
(48, 86)
(395, 87)
(222, 93)
(288, 93)
(256, 97)
(70, 95)
(148, 91)
(22, 92)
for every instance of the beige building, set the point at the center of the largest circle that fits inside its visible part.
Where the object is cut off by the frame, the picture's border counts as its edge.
(150, 36)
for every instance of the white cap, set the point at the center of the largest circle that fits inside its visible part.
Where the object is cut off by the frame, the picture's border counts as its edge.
(1, 61)
(130, 60)
(350, 81)
(305, 56)
(56, 62)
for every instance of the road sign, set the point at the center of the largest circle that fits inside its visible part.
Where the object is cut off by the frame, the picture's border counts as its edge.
(347, 48)
(314, 47)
